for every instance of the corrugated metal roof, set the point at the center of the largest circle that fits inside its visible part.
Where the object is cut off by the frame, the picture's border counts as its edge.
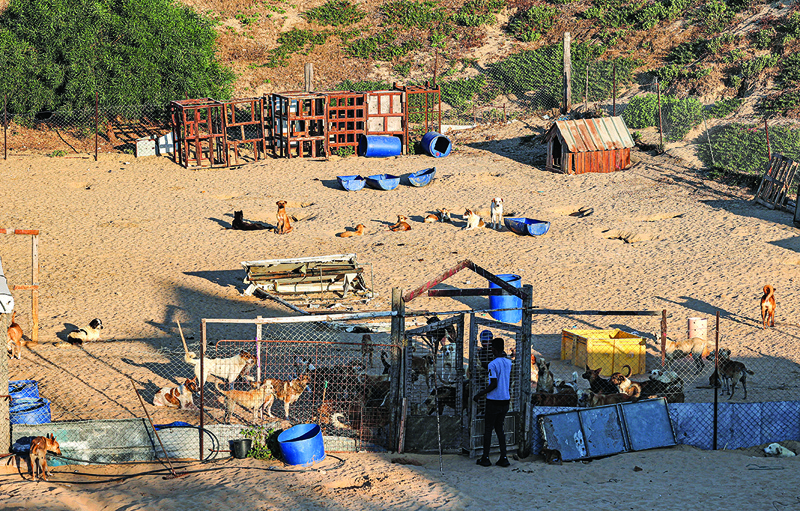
(603, 134)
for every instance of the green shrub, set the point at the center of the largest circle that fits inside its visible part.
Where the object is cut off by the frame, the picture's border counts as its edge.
(411, 14)
(762, 39)
(687, 52)
(679, 116)
(743, 148)
(295, 41)
(783, 103)
(475, 13)
(264, 444)
(724, 107)
(753, 67)
(335, 13)
(403, 69)
(61, 51)
(380, 46)
(462, 92)
(715, 16)
(790, 70)
(529, 25)
(790, 29)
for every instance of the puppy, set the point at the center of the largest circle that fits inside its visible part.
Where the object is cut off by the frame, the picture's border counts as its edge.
(768, 306)
(598, 384)
(253, 399)
(497, 213)
(696, 347)
(431, 219)
(89, 333)
(730, 372)
(284, 226)
(287, 391)
(179, 397)
(778, 450)
(228, 369)
(240, 224)
(349, 234)
(14, 342)
(40, 446)
(366, 349)
(546, 382)
(401, 225)
(444, 215)
(474, 221)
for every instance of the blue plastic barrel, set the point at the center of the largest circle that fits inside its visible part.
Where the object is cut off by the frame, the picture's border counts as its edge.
(379, 146)
(436, 145)
(30, 411)
(506, 301)
(302, 445)
(23, 389)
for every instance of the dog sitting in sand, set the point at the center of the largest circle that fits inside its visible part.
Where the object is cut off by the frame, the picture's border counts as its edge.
(401, 225)
(284, 226)
(474, 221)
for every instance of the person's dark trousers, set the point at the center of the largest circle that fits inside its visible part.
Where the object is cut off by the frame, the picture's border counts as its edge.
(495, 418)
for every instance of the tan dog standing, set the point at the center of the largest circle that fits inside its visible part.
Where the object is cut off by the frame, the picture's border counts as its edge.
(284, 226)
(38, 456)
(768, 306)
(14, 343)
(287, 391)
(253, 399)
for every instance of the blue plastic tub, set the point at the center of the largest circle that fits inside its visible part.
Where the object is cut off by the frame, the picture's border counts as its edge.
(379, 146)
(506, 301)
(23, 389)
(30, 411)
(436, 145)
(383, 181)
(302, 445)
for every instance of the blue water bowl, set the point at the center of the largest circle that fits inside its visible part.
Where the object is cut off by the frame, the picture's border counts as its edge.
(30, 411)
(383, 181)
(527, 226)
(351, 183)
(302, 445)
(23, 389)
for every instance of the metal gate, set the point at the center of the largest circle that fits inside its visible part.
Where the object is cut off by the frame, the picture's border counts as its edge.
(481, 330)
(435, 386)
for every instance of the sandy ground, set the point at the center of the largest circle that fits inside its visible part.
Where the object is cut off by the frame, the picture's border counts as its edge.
(143, 243)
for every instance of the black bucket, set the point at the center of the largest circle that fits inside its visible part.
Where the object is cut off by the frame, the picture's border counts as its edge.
(240, 448)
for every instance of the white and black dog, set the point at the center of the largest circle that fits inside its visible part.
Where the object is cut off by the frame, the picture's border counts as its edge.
(89, 333)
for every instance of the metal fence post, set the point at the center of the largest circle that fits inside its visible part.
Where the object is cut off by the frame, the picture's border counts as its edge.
(660, 124)
(716, 386)
(5, 419)
(524, 356)
(5, 128)
(398, 358)
(769, 148)
(96, 118)
(614, 90)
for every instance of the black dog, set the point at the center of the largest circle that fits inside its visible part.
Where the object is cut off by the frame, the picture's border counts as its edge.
(599, 385)
(240, 224)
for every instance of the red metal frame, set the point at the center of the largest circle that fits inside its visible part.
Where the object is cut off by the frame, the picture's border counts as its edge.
(298, 124)
(347, 119)
(198, 132)
(244, 124)
(429, 107)
(386, 115)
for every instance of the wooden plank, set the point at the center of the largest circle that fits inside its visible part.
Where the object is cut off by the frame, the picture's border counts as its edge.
(496, 280)
(438, 280)
(28, 287)
(787, 183)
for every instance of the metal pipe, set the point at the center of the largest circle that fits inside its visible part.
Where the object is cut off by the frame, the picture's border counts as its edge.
(769, 148)
(5, 129)
(171, 468)
(716, 386)
(614, 90)
(96, 121)
(660, 124)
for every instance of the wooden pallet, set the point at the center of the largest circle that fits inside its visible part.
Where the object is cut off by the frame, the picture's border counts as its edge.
(776, 182)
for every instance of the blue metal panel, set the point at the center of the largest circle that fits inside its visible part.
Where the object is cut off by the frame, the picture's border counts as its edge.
(603, 429)
(647, 425)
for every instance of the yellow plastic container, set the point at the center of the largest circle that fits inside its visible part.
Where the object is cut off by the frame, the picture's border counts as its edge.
(569, 339)
(610, 350)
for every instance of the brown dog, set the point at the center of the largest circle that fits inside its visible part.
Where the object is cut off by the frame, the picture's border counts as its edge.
(768, 306)
(731, 372)
(179, 397)
(284, 226)
(14, 343)
(401, 225)
(38, 456)
(349, 234)
(287, 391)
(253, 399)
(697, 347)
(597, 399)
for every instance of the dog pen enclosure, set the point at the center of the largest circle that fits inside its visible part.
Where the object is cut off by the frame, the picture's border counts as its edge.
(371, 395)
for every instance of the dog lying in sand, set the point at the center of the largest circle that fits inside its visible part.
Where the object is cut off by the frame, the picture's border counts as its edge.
(401, 225)
(349, 234)
(474, 220)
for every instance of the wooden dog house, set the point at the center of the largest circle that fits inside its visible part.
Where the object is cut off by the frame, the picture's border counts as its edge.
(588, 145)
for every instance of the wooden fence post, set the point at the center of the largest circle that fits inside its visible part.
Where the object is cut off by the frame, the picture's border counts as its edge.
(567, 100)
(660, 124)
(5, 422)
(308, 74)
(527, 330)
(398, 357)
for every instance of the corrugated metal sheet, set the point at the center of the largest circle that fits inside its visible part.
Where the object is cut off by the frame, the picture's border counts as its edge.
(586, 135)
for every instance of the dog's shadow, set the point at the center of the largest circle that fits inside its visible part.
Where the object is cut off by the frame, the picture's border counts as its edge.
(333, 184)
(68, 327)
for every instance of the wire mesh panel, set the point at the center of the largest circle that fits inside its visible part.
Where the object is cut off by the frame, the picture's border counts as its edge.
(483, 330)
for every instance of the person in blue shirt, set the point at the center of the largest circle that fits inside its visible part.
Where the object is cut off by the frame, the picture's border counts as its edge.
(498, 398)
